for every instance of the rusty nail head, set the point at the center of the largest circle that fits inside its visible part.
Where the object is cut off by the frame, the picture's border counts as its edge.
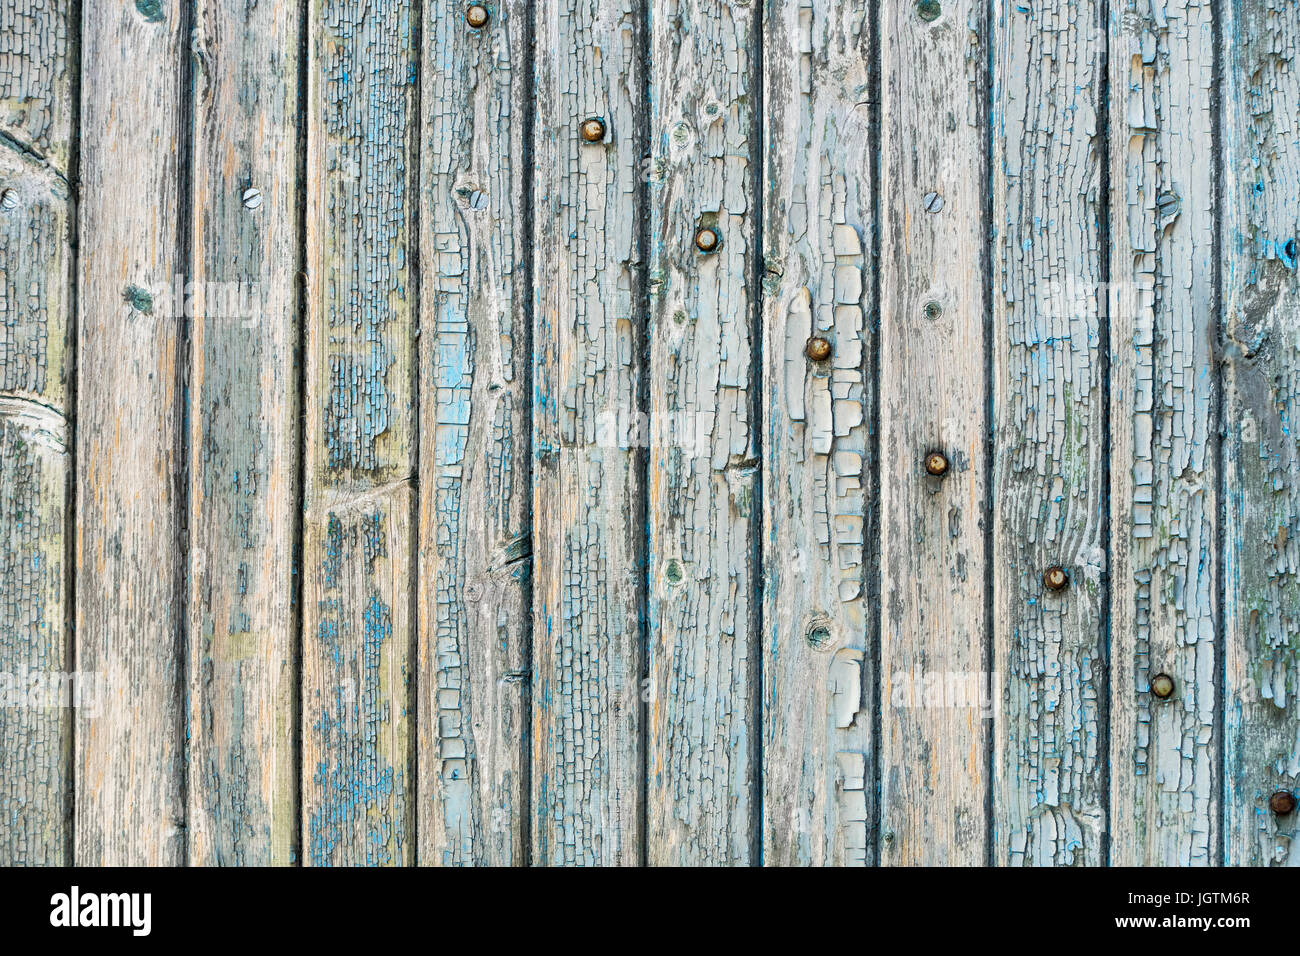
(476, 16)
(818, 349)
(1055, 578)
(936, 463)
(1282, 802)
(593, 130)
(706, 239)
(1162, 685)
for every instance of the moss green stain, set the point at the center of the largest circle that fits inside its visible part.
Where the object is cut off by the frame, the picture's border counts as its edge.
(138, 298)
(151, 10)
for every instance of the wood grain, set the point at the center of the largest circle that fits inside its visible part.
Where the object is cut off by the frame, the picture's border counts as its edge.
(934, 735)
(588, 521)
(1260, 230)
(360, 444)
(38, 74)
(703, 436)
(1049, 477)
(475, 505)
(1163, 397)
(819, 792)
(130, 561)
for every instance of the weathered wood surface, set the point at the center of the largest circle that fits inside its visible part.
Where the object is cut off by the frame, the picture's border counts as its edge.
(431, 497)
(588, 517)
(819, 233)
(130, 492)
(243, 441)
(37, 239)
(474, 531)
(934, 776)
(1162, 420)
(703, 437)
(358, 580)
(1260, 232)
(1049, 790)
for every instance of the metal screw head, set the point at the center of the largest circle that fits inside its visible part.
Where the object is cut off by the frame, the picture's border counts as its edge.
(476, 16)
(817, 349)
(933, 202)
(1282, 802)
(1162, 685)
(1055, 578)
(593, 130)
(936, 463)
(252, 198)
(9, 198)
(706, 239)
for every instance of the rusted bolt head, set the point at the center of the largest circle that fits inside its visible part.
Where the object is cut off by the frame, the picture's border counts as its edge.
(817, 349)
(1282, 802)
(936, 463)
(476, 16)
(706, 239)
(593, 130)
(1162, 685)
(1055, 578)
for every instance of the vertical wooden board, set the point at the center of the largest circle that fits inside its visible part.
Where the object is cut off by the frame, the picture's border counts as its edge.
(819, 790)
(475, 543)
(38, 55)
(934, 734)
(1049, 647)
(587, 520)
(1163, 394)
(130, 590)
(358, 548)
(1261, 455)
(36, 714)
(703, 443)
(243, 307)
(37, 49)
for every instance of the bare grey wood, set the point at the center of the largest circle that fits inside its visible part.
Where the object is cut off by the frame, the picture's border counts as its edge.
(819, 792)
(243, 470)
(130, 567)
(360, 445)
(37, 223)
(1261, 454)
(1163, 396)
(703, 437)
(475, 505)
(588, 531)
(934, 738)
(1049, 646)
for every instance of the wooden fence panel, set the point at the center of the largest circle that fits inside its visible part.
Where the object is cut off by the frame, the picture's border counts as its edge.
(244, 420)
(588, 511)
(933, 742)
(131, 358)
(703, 434)
(359, 548)
(1050, 429)
(1163, 324)
(1261, 454)
(475, 509)
(819, 790)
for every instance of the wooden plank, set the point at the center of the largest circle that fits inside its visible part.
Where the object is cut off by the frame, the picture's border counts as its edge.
(819, 792)
(1049, 478)
(1163, 395)
(358, 548)
(588, 527)
(932, 396)
(130, 567)
(243, 472)
(1261, 452)
(37, 48)
(475, 506)
(703, 436)
(38, 56)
